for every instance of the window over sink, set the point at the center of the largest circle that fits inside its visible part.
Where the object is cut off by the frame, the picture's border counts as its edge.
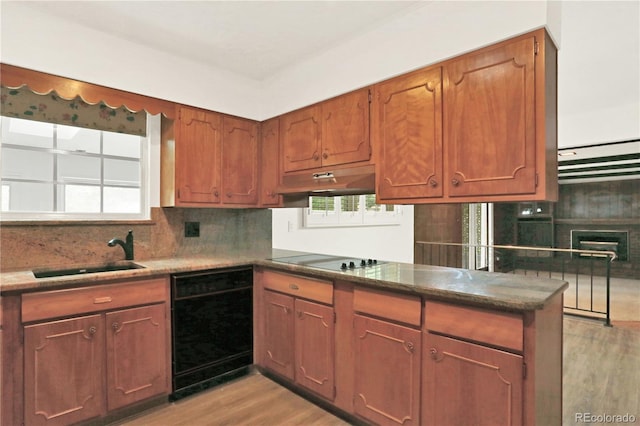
(53, 171)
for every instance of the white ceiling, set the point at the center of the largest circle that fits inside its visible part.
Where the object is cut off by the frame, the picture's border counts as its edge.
(255, 39)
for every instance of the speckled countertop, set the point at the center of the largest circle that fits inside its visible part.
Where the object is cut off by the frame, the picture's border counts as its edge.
(493, 290)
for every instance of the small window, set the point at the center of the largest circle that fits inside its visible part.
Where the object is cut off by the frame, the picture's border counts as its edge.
(350, 210)
(54, 171)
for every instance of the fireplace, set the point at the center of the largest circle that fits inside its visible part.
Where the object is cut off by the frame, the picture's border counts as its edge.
(615, 241)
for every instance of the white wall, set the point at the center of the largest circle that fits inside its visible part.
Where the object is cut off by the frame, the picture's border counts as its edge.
(35, 40)
(393, 243)
(599, 72)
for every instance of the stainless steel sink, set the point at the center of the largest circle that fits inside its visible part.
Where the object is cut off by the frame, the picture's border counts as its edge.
(120, 266)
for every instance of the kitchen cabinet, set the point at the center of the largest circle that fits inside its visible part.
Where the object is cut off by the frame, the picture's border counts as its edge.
(472, 375)
(103, 357)
(480, 127)
(298, 328)
(407, 134)
(269, 163)
(330, 133)
(209, 160)
(388, 357)
(239, 171)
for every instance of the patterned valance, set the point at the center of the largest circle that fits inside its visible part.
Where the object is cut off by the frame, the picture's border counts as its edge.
(50, 107)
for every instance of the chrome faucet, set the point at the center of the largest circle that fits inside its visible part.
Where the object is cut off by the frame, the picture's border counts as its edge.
(126, 246)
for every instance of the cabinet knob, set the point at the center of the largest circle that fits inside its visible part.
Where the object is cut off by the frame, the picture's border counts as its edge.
(325, 155)
(433, 182)
(433, 353)
(455, 182)
(92, 330)
(228, 195)
(299, 314)
(115, 326)
(216, 194)
(316, 157)
(409, 346)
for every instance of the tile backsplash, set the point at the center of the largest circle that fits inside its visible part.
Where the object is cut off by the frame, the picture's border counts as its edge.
(222, 232)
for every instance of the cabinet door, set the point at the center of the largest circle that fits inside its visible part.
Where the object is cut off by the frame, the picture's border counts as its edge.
(387, 372)
(345, 129)
(278, 338)
(198, 135)
(314, 340)
(407, 134)
(269, 163)
(63, 372)
(239, 161)
(136, 355)
(490, 121)
(465, 383)
(301, 138)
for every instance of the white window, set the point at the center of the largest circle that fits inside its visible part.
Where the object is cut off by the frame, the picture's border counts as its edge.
(54, 171)
(350, 210)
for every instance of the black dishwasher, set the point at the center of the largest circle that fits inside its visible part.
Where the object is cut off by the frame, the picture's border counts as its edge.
(212, 328)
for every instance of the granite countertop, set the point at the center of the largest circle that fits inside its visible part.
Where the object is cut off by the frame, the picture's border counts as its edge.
(493, 290)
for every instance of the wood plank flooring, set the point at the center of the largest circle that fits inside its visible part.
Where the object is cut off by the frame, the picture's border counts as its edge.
(601, 375)
(250, 401)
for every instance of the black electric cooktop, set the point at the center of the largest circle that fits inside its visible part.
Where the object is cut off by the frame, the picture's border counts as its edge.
(333, 263)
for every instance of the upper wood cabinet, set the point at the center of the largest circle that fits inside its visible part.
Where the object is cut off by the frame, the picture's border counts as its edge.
(482, 129)
(330, 133)
(209, 160)
(407, 133)
(490, 121)
(239, 171)
(269, 163)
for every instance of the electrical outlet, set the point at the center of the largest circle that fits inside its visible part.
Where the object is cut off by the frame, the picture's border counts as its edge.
(192, 229)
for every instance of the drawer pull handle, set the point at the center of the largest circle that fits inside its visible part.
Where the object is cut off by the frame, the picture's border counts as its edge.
(294, 287)
(106, 299)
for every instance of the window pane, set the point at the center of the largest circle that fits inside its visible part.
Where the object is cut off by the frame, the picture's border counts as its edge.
(350, 203)
(121, 172)
(81, 199)
(78, 139)
(27, 133)
(6, 196)
(79, 169)
(30, 197)
(121, 145)
(322, 204)
(121, 200)
(27, 164)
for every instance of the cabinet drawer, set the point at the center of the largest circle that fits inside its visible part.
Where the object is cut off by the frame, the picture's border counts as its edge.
(299, 286)
(75, 301)
(383, 304)
(501, 329)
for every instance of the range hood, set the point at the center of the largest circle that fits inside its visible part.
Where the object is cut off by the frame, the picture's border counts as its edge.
(348, 181)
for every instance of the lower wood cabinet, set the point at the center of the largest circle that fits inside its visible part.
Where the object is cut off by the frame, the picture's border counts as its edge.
(299, 342)
(465, 383)
(387, 372)
(83, 367)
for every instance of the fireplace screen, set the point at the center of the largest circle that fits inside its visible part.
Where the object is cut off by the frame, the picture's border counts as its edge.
(615, 241)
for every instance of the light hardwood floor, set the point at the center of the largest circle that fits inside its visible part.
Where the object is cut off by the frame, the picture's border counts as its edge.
(601, 375)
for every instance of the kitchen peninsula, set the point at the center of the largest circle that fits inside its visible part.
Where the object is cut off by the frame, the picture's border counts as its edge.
(326, 333)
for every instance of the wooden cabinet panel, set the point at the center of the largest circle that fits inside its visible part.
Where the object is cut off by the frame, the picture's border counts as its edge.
(407, 134)
(64, 371)
(279, 333)
(490, 121)
(465, 383)
(345, 129)
(270, 164)
(136, 363)
(387, 372)
(314, 342)
(197, 156)
(239, 161)
(300, 132)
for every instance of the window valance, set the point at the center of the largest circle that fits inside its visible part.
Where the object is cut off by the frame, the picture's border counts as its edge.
(13, 77)
(52, 108)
